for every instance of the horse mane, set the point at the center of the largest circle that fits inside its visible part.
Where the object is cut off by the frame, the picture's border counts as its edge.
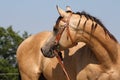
(88, 16)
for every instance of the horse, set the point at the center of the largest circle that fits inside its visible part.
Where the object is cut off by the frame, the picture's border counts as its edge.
(71, 28)
(32, 64)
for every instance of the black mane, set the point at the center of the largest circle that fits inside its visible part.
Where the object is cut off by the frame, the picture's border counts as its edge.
(88, 16)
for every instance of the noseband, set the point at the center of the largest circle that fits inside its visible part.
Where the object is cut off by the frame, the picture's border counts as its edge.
(58, 36)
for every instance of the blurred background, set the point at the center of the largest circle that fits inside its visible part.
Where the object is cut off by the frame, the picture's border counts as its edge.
(21, 18)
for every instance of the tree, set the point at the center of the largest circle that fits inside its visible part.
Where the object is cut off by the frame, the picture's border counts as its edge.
(9, 42)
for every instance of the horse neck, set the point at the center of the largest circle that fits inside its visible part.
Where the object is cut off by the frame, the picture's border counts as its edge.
(99, 41)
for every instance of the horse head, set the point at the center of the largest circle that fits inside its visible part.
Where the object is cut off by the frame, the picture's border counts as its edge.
(59, 31)
(71, 28)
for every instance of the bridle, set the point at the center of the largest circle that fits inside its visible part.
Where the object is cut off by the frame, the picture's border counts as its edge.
(57, 39)
(66, 26)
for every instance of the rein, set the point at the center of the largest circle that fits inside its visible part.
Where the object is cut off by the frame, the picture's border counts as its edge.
(61, 64)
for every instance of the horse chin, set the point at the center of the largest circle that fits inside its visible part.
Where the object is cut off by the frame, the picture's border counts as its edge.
(48, 54)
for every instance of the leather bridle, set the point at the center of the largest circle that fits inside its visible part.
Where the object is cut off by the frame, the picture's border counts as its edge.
(57, 39)
(66, 26)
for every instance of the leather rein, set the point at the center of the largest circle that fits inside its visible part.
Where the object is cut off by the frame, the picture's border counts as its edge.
(61, 64)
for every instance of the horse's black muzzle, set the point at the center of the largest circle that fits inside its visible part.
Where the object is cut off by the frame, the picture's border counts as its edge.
(48, 53)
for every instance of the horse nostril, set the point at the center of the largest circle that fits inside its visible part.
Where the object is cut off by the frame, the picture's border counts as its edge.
(42, 50)
(48, 52)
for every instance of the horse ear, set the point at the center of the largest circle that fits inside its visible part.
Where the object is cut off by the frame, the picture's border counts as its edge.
(61, 12)
(68, 8)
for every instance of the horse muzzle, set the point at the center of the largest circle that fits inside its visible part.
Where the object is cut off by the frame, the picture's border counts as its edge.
(48, 53)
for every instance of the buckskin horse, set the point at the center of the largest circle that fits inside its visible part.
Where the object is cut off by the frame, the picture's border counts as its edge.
(32, 63)
(71, 28)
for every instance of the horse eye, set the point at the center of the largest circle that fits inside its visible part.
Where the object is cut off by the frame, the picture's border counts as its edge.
(55, 30)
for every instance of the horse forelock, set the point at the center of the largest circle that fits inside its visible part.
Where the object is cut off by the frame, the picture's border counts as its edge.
(60, 17)
(57, 22)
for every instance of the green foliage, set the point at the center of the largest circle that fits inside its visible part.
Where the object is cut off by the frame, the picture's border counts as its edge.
(7, 71)
(9, 42)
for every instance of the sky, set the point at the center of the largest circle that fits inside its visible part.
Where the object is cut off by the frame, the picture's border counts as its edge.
(35, 16)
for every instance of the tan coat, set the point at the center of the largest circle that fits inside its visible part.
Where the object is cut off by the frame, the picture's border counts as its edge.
(32, 63)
